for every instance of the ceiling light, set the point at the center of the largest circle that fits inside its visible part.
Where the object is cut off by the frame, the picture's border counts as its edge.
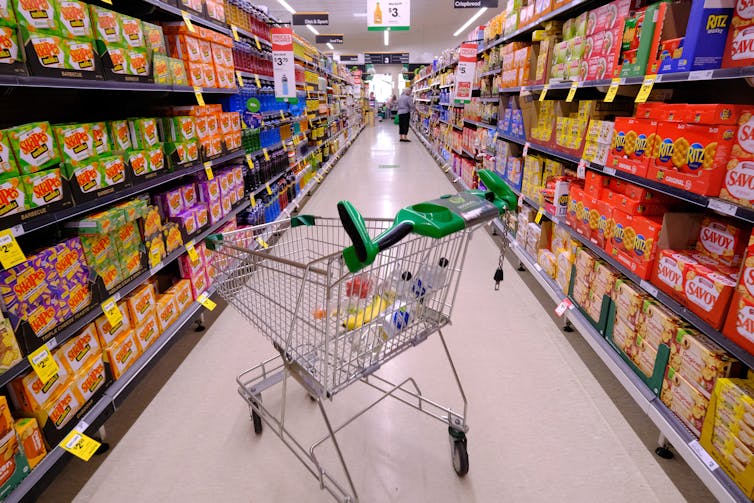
(387, 37)
(467, 23)
(286, 6)
(329, 45)
(312, 29)
(359, 14)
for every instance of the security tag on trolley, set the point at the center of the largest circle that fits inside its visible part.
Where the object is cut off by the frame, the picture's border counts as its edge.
(563, 307)
(526, 149)
(198, 94)
(192, 252)
(249, 161)
(581, 168)
(262, 243)
(204, 300)
(112, 312)
(80, 445)
(10, 253)
(44, 364)
(208, 170)
(538, 218)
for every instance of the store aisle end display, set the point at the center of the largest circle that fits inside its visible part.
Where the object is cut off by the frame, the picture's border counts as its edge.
(108, 216)
(636, 209)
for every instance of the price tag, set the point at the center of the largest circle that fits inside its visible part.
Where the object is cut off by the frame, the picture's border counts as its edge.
(187, 20)
(259, 46)
(538, 218)
(447, 168)
(543, 93)
(648, 287)
(239, 77)
(204, 300)
(695, 446)
(80, 445)
(520, 199)
(256, 78)
(43, 364)
(282, 116)
(253, 201)
(572, 91)
(208, 170)
(494, 138)
(234, 31)
(266, 154)
(608, 171)
(198, 94)
(722, 206)
(108, 2)
(563, 307)
(269, 190)
(193, 256)
(646, 88)
(249, 161)
(10, 253)
(154, 257)
(262, 243)
(701, 74)
(112, 312)
(526, 148)
(612, 90)
(581, 168)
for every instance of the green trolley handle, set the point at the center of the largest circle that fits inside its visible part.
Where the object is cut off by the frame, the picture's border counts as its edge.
(438, 218)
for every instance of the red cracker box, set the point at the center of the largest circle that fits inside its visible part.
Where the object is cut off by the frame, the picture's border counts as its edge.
(634, 206)
(670, 270)
(676, 112)
(722, 241)
(632, 145)
(738, 185)
(692, 157)
(707, 293)
(594, 183)
(711, 113)
(739, 323)
(635, 242)
(605, 225)
(739, 48)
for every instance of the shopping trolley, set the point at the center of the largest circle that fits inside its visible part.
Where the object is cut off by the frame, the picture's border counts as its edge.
(339, 305)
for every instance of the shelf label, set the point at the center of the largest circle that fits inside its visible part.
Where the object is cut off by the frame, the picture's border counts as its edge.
(253, 201)
(43, 364)
(259, 46)
(266, 154)
(648, 287)
(538, 218)
(108, 2)
(204, 300)
(581, 168)
(612, 90)
(608, 171)
(282, 116)
(239, 77)
(646, 88)
(262, 243)
(269, 190)
(722, 206)
(701, 74)
(80, 445)
(520, 199)
(710, 463)
(208, 170)
(187, 21)
(526, 149)
(18, 230)
(543, 93)
(256, 78)
(193, 256)
(112, 312)
(234, 31)
(563, 307)
(154, 257)
(494, 138)
(10, 253)
(572, 91)
(198, 94)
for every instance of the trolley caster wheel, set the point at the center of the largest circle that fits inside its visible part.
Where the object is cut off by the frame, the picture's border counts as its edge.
(568, 327)
(256, 419)
(664, 453)
(458, 452)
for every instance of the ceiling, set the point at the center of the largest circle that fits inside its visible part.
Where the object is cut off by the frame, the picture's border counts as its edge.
(432, 25)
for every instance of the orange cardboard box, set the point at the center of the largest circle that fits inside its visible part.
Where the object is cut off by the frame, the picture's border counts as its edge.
(711, 113)
(722, 240)
(91, 378)
(142, 303)
(632, 145)
(574, 197)
(31, 440)
(147, 332)
(167, 311)
(738, 184)
(79, 350)
(6, 420)
(605, 225)
(107, 334)
(122, 353)
(707, 293)
(634, 243)
(28, 393)
(181, 292)
(60, 409)
(634, 206)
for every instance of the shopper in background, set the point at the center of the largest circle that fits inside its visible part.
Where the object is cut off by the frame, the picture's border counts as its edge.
(392, 103)
(405, 107)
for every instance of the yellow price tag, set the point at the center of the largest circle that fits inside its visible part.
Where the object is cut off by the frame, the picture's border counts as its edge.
(266, 154)
(538, 218)
(108, 2)
(198, 94)
(269, 190)
(612, 90)
(10, 253)
(204, 300)
(253, 200)
(243, 124)
(234, 31)
(187, 20)
(112, 312)
(43, 364)
(154, 257)
(193, 256)
(646, 88)
(80, 445)
(256, 77)
(208, 170)
(249, 161)
(262, 243)
(285, 146)
(256, 39)
(282, 116)
(494, 138)
(572, 91)
(239, 78)
(543, 93)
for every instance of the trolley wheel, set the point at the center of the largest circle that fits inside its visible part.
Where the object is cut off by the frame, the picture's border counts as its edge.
(256, 419)
(664, 452)
(458, 452)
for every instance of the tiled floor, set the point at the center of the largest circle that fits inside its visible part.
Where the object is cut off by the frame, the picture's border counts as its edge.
(548, 421)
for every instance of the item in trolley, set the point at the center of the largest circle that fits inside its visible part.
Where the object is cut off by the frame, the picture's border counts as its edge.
(365, 314)
(359, 286)
(31, 440)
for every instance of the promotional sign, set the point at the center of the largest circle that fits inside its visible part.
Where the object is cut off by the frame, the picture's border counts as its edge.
(474, 4)
(388, 15)
(349, 58)
(465, 71)
(311, 18)
(386, 58)
(283, 66)
(329, 38)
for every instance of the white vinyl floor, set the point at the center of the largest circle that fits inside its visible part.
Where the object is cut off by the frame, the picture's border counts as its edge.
(548, 422)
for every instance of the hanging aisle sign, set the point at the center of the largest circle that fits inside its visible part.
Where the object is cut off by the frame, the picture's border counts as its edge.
(465, 72)
(329, 38)
(474, 4)
(311, 18)
(283, 66)
(388, 15)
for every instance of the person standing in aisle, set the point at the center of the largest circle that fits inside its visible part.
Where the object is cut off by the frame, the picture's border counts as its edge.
(405, 107)
(390, 107)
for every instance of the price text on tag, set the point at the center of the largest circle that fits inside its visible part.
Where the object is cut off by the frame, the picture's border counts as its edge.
(649, 287)
(198, 94)
(208, 170)
(538, 218)
(154, 257)
(80, 445)
(10, 253)
(234, 30)
(608, 171)
(112, 312)
(572, 91)
(192, 252)
(543, 93)
(646, 88)
(253, 201)
(204, 300)
(612, 90)
(43, 364)
(187, 20)
(722, 206)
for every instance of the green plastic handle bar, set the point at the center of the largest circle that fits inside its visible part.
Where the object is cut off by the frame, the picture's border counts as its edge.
(364, 251)
(501, 190)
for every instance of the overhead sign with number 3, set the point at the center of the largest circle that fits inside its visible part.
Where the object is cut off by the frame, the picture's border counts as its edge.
(388, 15)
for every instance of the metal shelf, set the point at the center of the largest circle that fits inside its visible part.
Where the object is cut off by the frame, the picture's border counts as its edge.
(106, 85)
(480, 124)
(490, 72)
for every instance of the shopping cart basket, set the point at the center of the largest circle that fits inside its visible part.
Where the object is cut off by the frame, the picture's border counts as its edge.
(338, 305)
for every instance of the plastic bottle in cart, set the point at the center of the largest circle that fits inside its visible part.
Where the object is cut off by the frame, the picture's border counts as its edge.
(430, 279)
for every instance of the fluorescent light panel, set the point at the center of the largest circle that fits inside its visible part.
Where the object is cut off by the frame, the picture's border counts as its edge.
(286, 6)
(312, 29)
(467, 23)
(329, 45)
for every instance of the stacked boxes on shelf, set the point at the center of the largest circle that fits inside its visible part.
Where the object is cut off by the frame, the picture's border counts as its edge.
(207, 54)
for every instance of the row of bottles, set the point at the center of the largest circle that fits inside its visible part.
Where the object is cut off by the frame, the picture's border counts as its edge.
(241, 13)
(269, 206)
(265, 170)
(249, 59)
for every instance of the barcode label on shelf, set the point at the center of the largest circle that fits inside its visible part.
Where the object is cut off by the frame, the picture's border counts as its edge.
(612, 90)
(18, 230)
(198, 94)
(572, 91)
(563, 307)
(187, 20)
(543, 94)
(234, 31)
(648, 287)
(646, 88)
(538, 218)
(701, 75)
(208, 170)
(608, 171)
(703, 455)
(204, 300)
(722, 206)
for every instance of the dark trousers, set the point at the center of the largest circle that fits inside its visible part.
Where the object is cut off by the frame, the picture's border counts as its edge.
(403, 123)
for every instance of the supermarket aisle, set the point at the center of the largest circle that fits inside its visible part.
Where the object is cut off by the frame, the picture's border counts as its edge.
(547, 421)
